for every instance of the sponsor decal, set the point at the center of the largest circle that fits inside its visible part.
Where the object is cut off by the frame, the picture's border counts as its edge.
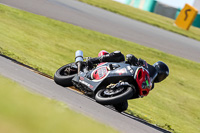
(81, 78)
(99, 73)
(86, 84)
(130, 69)
(102, 72)
(121, 71)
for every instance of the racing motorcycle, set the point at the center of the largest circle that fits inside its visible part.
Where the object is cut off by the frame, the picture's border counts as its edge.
(111, 83)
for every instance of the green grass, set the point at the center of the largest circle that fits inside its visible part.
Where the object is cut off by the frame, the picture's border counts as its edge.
(48, 44)
(144, 16)
(23, 112)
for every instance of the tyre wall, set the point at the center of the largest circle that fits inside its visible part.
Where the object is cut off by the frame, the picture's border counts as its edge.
(165, 10)
(147, 5)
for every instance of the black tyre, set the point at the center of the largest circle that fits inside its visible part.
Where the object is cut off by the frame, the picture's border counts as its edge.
(120, 107)
(104, 98)
(65, 74)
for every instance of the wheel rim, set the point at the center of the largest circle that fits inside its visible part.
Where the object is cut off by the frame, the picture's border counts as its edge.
(69, 71)
(119, 96)
(112, 92)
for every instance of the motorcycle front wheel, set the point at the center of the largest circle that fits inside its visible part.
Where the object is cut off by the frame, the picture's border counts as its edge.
(107, 97)
(65, 74)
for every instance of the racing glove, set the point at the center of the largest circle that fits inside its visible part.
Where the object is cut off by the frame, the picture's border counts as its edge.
(92, 61)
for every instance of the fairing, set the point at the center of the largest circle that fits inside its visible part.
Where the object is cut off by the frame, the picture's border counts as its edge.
(143, 81)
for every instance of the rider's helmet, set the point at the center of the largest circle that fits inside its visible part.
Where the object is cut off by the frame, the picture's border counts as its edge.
(102, 52)
(162, 70)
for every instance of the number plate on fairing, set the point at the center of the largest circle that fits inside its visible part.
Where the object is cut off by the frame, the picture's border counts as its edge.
(100, 73)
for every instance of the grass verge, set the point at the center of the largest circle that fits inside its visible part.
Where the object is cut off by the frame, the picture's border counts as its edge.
(144, 16)
(23, 112)
(47, 44)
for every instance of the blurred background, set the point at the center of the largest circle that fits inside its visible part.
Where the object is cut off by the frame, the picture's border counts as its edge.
(167, 8)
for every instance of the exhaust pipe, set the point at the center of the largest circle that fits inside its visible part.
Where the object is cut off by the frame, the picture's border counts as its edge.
(79, 59)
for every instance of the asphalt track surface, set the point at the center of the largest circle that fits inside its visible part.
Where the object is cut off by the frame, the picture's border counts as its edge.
(86, 16)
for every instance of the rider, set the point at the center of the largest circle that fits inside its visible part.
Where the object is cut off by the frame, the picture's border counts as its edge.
(158, 71)
(115, 56)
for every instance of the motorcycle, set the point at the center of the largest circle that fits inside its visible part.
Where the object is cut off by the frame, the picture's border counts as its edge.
(111, 83)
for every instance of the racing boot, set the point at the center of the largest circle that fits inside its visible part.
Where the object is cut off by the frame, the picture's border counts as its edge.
(115, 56)
(90, 62)
(132, 60)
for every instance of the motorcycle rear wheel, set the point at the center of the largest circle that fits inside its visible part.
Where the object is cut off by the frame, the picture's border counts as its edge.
(101, 98)
(62, 78)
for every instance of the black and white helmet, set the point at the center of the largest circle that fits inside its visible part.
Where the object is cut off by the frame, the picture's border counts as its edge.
(162, 70)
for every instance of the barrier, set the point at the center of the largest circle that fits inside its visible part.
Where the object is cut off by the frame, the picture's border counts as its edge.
(147, 5)
(196, 22)
(150, 5)
(165, 10)
(127, 2)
